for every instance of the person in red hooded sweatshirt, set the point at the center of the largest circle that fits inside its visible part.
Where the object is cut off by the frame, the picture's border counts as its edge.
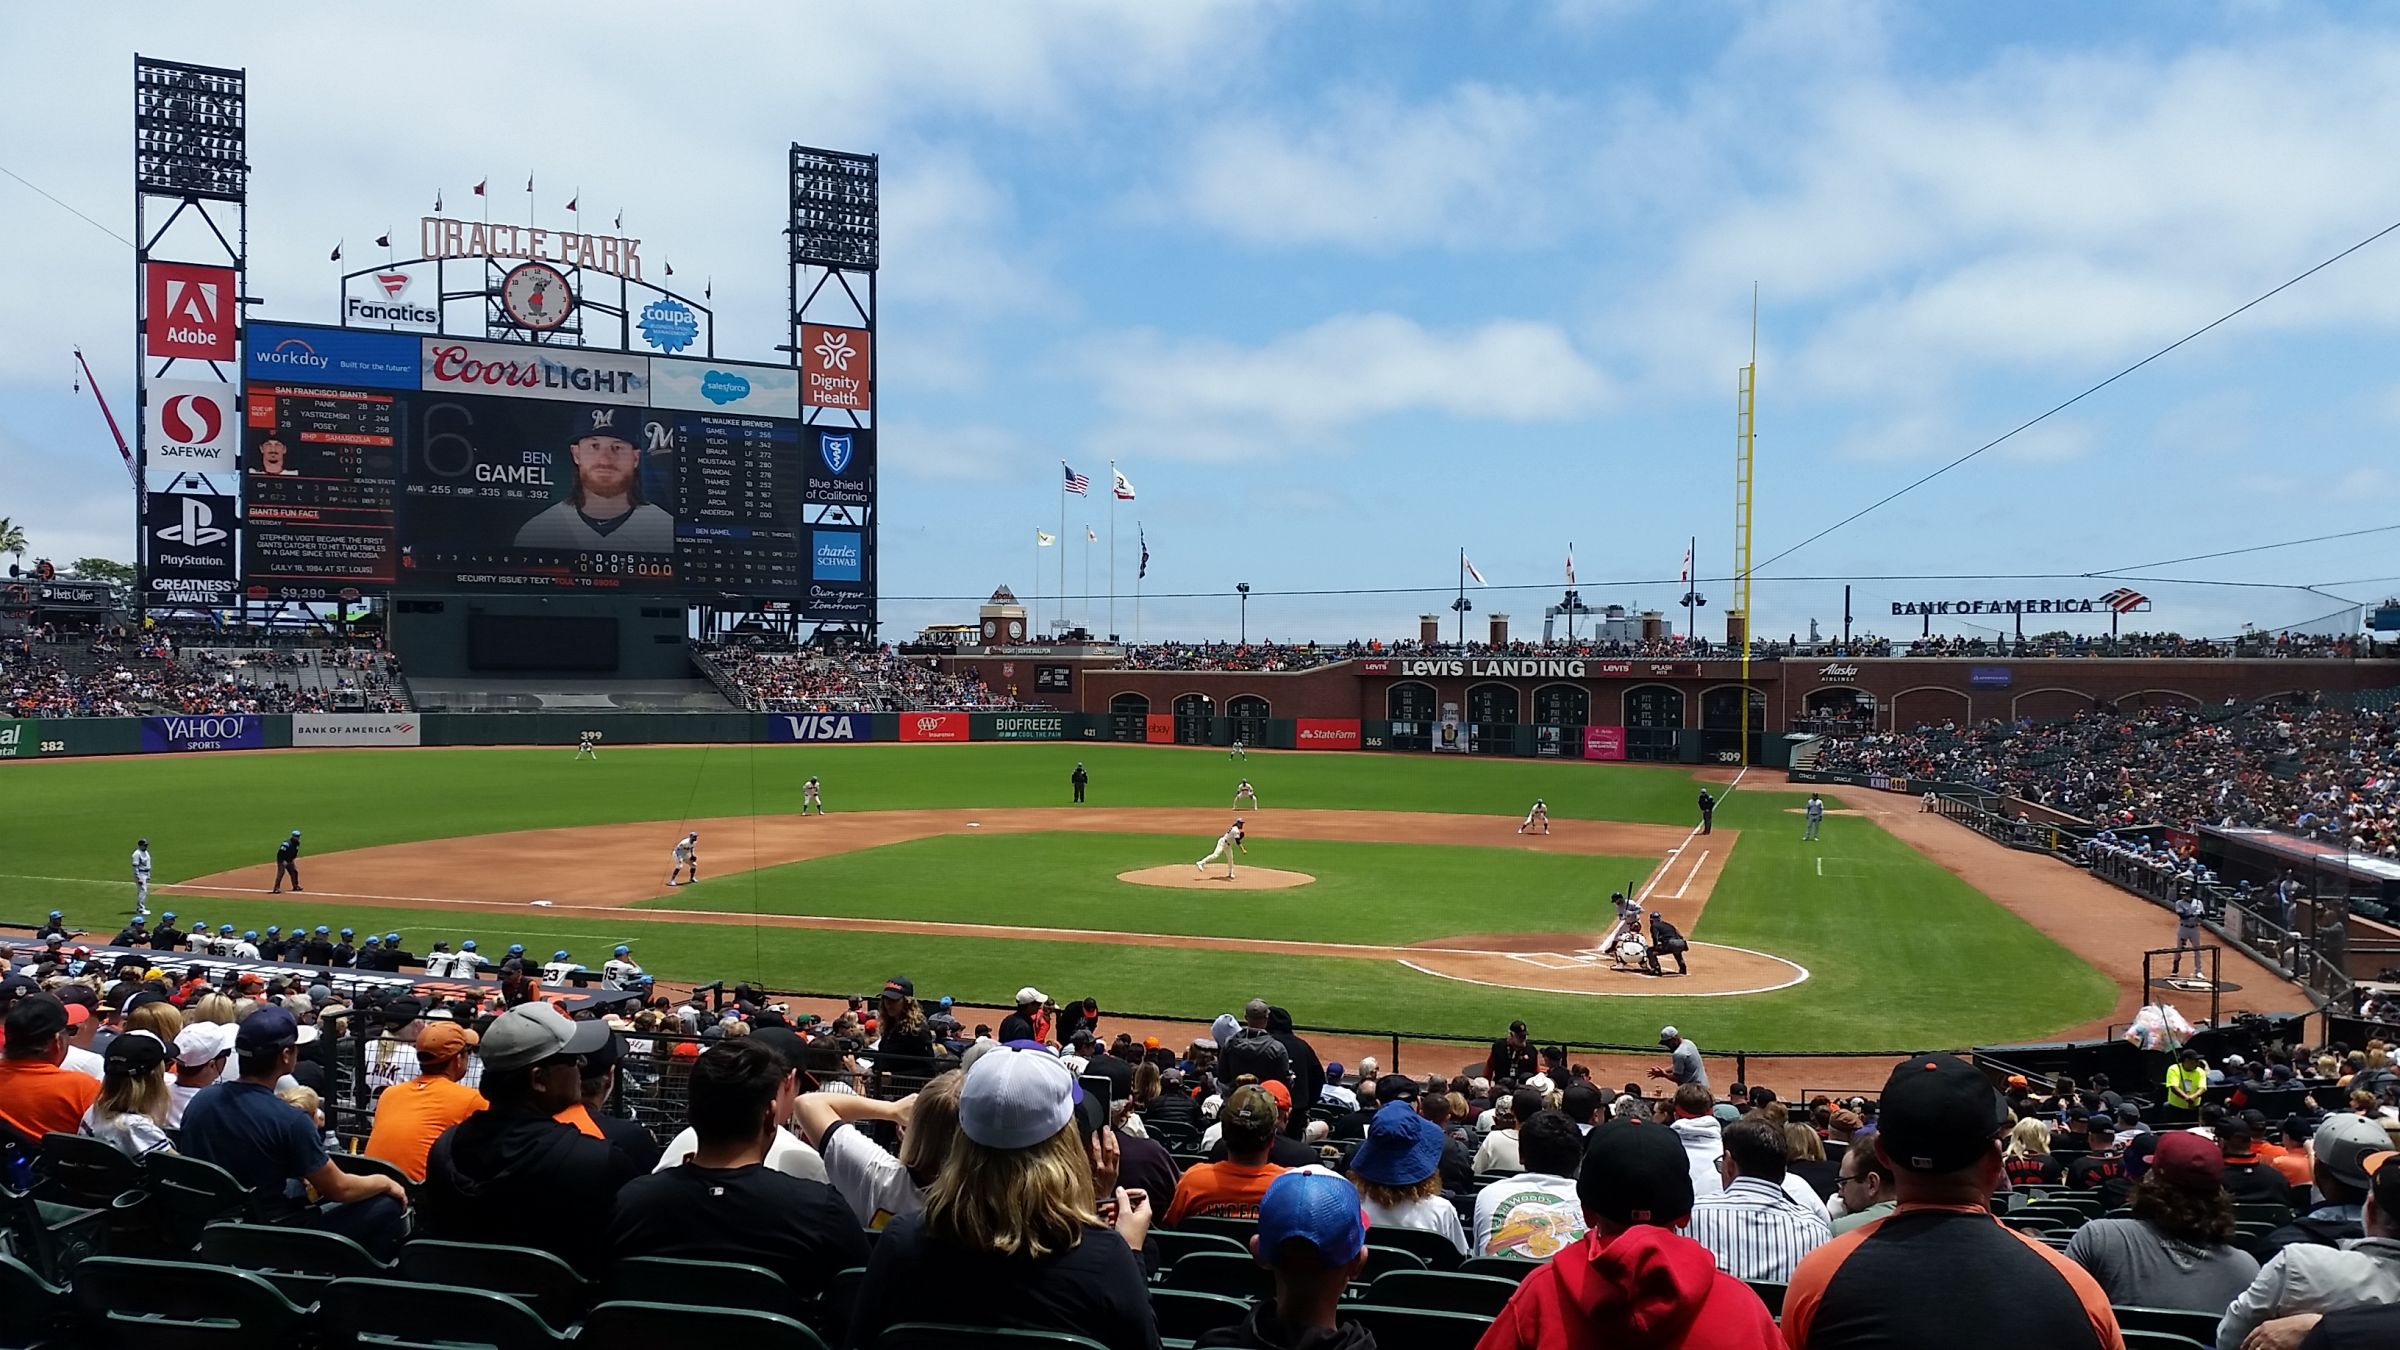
(1631, 1280)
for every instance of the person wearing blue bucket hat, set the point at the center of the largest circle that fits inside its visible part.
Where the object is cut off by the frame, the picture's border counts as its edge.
(1398, 1171)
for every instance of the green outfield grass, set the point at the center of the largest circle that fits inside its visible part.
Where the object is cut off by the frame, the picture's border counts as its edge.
(1901, 953)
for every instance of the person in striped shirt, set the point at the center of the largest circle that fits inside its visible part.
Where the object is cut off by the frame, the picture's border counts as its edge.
(1754, 1229)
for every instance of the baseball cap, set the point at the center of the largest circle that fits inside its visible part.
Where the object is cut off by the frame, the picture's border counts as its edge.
(271, 1028)
(2188, 1161)
(200, 1042)
(442, 1042)
(2343, 1143)
(1397, 1087)
(530, 1033)
(1275, 1088)
(36, 1018)
(134, 1055)
(1314, 1206)
(1940, 1113)
(403, 1010)
(600, 419)
(1634, 1173)
(899, 986)
(1249, 1108)
(1014, 1099)
(1029, 994)
(1402, 1148)
(1666, 1034)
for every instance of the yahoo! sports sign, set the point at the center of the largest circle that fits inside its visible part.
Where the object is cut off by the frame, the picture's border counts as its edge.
(243, 731)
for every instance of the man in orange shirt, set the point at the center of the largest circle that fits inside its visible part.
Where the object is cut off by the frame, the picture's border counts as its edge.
(2296, 1163)
(37, 1096)
(1233, 1188)
(410, 1116)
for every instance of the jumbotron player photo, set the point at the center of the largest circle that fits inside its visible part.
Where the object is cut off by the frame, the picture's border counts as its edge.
(604, 511)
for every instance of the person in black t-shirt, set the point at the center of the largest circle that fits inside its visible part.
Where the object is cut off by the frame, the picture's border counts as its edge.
(1512, 1060)
(725, 1204)
(2103, 1162)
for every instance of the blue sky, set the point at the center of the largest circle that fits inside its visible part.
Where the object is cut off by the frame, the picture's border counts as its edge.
(1344, 287)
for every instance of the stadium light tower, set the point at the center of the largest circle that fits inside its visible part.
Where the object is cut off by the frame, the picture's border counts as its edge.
(1244, 588)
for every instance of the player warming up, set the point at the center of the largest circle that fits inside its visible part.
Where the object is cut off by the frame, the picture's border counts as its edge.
(686, 854)
(587, 746)
(1228, 844)
(141, 878)
(1243, 792)
(809, 796)
(1539, 815)
(287, 862)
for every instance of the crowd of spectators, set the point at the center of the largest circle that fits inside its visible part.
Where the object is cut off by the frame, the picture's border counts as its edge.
(897, 1138)
(117, 677)
(2134, 646)
(877, 680)
(2311, 767)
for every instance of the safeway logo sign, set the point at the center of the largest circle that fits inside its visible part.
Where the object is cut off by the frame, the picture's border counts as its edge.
(190, 311)
(188, 426)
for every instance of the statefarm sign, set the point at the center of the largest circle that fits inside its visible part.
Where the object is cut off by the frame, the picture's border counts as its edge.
(442, 237)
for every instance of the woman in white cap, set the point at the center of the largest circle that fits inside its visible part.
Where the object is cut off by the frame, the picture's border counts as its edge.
(1011, 1235)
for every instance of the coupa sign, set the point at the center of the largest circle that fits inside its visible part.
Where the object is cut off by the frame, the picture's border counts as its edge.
(820, 727)
(222, 732)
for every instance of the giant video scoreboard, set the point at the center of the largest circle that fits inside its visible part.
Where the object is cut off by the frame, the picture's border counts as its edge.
(374, 462)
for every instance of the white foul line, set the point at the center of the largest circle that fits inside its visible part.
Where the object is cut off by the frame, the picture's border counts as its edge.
(1661, 873)
(1687, 877)
(1820, 865)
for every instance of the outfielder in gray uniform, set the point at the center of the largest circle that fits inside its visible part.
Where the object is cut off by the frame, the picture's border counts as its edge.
(1816, 817)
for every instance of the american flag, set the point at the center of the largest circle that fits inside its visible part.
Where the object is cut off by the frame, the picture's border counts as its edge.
(1076, 483)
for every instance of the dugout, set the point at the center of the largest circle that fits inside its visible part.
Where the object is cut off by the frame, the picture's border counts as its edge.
(2325, 870)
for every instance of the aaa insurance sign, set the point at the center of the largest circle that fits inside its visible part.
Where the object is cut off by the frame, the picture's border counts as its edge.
(188, 311)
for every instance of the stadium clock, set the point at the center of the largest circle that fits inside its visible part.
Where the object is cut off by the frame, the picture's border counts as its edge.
(536, 295)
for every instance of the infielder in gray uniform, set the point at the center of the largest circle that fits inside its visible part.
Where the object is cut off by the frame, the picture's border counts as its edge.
(1816, 816)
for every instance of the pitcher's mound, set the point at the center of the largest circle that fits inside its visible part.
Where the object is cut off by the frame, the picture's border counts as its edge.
(1181, 877)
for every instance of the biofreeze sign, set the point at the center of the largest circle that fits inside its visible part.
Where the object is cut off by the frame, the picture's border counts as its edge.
(1495, 667)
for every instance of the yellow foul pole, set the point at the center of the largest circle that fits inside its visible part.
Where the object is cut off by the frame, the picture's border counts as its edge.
(1745, 441)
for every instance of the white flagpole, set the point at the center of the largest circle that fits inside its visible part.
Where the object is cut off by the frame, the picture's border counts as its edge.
(1035, 621)
(1062, 544)
(1137, 584)
(1087, 576)
(1462, 597)
(1112, 550)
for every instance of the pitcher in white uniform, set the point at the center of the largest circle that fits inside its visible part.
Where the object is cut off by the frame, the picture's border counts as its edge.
(1228, 844)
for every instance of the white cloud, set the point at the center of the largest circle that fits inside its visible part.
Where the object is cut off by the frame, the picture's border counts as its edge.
(944, 453)
(1206, 399)
(2057, 441)
(1369, 171)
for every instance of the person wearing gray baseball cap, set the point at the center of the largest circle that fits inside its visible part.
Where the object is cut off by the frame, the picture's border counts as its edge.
(1010, 1228)
(513, 1173)
(2308, 1279)
(2338, 1150)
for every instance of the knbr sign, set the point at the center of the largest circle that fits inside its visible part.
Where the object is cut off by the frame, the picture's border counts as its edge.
(945, 726)
(1326, 734)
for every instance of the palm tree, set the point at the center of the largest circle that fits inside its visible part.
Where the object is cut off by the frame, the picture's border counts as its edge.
(12, 538)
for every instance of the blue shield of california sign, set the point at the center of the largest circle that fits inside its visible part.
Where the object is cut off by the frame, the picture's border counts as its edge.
(836, 450)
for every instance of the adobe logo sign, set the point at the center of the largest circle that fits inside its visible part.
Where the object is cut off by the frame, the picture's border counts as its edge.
(190, 311)
(188, 425)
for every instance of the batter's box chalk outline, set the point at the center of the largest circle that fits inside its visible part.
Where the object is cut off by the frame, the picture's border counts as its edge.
(1546, 960)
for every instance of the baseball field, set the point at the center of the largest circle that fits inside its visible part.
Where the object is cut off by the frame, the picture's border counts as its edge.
(1378, 891)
